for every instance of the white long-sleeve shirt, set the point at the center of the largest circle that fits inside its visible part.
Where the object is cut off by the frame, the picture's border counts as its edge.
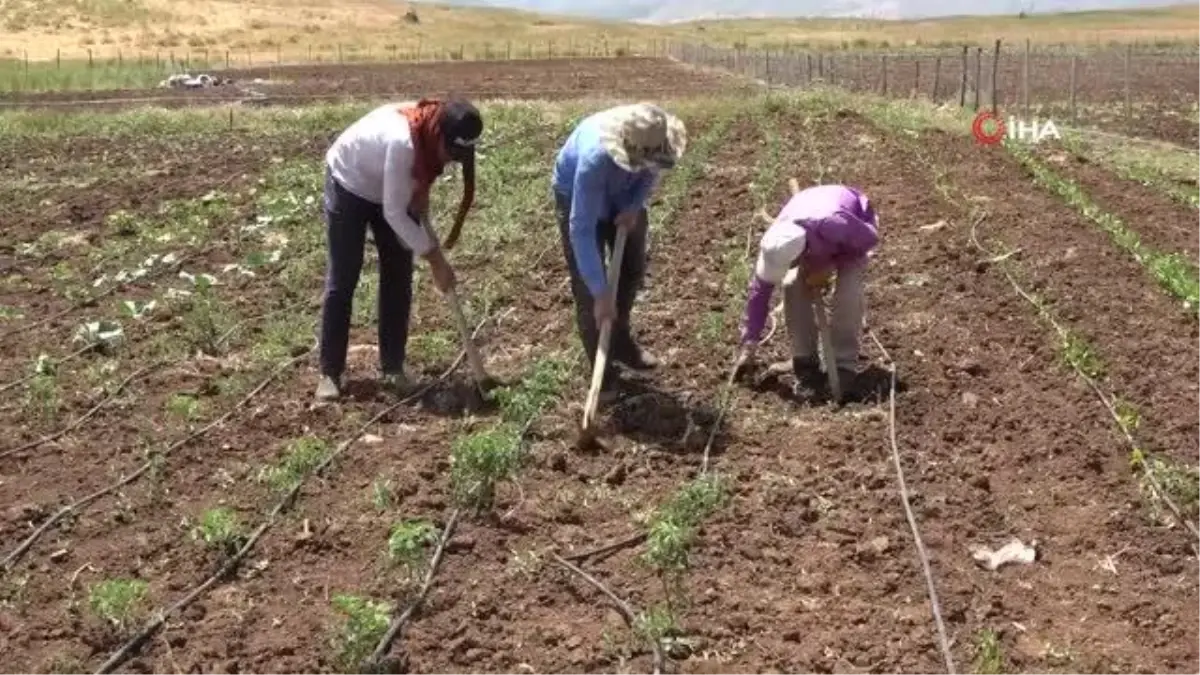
(373, 159)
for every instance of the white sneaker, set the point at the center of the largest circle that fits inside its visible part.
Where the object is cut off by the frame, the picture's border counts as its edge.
(328, 389)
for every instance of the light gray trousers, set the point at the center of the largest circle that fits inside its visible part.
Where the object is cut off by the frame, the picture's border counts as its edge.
(845, 320)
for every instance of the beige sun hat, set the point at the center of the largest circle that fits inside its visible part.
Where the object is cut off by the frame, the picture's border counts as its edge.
(641, 134)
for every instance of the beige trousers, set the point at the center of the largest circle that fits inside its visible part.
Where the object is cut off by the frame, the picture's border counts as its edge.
(845, 320)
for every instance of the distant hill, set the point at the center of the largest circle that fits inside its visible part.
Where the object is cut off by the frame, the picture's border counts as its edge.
(265, 31)
(657, 11)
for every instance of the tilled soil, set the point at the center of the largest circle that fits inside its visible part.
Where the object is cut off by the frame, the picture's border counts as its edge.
(810, 567)
(553, 79)
(1144, 339)
(1161, 223)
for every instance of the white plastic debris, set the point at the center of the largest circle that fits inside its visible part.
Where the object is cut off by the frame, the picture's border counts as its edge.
(1013, 552)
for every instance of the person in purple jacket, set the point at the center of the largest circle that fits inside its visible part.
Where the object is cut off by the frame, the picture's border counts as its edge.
(822, 231)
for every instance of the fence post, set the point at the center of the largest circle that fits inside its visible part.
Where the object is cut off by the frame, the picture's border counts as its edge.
(995, 63)
(937, 76)
(1025, 82)
(58, 58)
(91, 63)
(962, 87)
(832, 71)
(808, 76)
(1074, 60)
(767, 66)
(226, 59)
(916, 90)
(978, 68)
(1128, 92)
(883, 79)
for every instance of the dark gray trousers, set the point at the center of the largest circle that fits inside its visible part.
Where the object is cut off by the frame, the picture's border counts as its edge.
(633, 270)
(347, 217)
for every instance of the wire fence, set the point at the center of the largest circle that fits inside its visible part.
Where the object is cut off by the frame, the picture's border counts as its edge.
(1128, 83)
(117, 68)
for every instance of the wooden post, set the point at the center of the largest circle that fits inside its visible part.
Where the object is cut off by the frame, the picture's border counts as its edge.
(226, 59)
(978, 68)
(58, 58)
(1128, 91)
(916, 90)
(883, 77)
(1074, 60)
(91, 63)
(962, 86)
(995, 63)
(832, 72)
(1025, 82)
(937, 76)
(808, 77)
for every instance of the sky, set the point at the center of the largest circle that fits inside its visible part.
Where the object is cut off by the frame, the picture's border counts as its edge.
(683, 10)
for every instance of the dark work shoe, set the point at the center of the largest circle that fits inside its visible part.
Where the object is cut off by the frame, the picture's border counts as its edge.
(810, 380)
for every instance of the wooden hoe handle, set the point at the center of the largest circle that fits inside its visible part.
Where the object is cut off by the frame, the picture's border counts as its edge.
(601, 363)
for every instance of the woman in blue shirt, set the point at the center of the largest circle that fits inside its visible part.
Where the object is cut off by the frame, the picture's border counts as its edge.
(603, 177)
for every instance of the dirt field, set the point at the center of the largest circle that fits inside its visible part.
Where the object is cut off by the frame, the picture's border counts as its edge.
(806, 562)
(1162, 85)
(553, 79)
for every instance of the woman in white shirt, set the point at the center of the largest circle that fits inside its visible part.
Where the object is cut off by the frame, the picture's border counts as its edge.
(379, 173)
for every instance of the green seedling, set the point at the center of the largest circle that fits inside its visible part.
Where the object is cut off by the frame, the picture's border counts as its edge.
(42, 398)
(989, 657)
(1128, 417)
(301, 457)
(383, 494)
(537, 389)
(363, 627)
(712, 328)
(434, 347)
(117, 601)
(184, 406)
(481, 460)
(673, 526)
(1078, 355)
(409, 541)
(220, 530)
(206, 320)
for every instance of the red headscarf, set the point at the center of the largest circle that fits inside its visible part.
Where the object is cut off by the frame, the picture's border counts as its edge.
(424, 123)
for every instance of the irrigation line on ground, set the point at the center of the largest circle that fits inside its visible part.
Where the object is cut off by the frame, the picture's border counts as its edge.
(935, 605)
(1042, 311)
(102, 294)
(632, 540)
(74, 506)
(118, 657)
(401, 620)
(22, 380)
(61, 313)
(622, 606)
(87, 415)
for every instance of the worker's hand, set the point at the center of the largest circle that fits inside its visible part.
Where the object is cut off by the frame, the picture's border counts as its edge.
(628, 220)
(443, 274)
(604, 307)
(818, 280)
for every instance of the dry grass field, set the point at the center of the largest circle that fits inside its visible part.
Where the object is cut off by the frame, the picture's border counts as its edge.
(44, 30)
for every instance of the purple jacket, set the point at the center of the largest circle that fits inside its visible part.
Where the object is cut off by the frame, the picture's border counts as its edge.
(823, 228)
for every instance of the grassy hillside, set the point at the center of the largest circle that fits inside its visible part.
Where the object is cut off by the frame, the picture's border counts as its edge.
(265, 29)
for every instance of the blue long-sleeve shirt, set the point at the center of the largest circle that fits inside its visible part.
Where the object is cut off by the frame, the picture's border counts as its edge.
(598, 189)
